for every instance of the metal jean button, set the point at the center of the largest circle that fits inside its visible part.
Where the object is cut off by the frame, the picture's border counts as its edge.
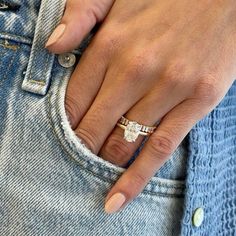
(67, 59)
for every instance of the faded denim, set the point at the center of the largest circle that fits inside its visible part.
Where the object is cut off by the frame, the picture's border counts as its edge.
(50, 184)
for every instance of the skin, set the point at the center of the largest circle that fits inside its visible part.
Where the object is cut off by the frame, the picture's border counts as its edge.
(155, 60)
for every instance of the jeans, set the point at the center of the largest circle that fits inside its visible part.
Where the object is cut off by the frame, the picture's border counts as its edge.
(50, 183)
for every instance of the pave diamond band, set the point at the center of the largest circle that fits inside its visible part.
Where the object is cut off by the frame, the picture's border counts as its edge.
(133, 129)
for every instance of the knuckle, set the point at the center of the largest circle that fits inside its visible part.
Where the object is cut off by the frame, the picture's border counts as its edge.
(135, 69)
(107, 40)
(104, 44)
(207, 91)
(117, 150)
(162, 146)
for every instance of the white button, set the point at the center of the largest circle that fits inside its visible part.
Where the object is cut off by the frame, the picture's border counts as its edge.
(198, 217)
(67, 59)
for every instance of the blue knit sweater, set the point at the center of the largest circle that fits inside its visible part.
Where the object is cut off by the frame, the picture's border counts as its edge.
(211, 171)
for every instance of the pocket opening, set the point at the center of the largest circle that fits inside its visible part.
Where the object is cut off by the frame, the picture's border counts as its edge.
(83, 156)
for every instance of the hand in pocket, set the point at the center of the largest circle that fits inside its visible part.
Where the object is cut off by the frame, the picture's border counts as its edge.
(148, 63)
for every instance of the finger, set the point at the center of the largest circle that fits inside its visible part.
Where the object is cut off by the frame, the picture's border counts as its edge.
(85, 82)
(147, 111)
(78, 20)
(159, 147)
(117, 94)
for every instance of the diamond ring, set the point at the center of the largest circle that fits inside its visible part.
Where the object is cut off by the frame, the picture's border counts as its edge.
(133, 129)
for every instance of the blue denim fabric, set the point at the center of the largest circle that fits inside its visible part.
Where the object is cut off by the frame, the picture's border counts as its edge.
(50, 183)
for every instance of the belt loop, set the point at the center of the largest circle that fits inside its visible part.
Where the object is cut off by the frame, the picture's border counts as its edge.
(38, 72)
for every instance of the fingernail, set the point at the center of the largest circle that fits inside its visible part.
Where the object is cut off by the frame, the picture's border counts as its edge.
(114, 203)
(56, 34)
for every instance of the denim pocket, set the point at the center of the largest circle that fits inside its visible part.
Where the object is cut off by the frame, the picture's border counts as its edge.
(100, 168)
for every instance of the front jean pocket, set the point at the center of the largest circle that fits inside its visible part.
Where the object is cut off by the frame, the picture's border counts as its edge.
(77, 152)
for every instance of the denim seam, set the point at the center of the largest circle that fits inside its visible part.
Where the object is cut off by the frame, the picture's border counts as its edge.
(9, 46)
(18, 38)
(40, 83)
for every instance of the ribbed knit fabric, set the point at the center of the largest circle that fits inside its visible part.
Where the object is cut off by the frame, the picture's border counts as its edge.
(211, 171)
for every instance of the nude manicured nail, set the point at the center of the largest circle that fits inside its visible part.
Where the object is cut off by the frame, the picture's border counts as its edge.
(114, 203)
(56, 34)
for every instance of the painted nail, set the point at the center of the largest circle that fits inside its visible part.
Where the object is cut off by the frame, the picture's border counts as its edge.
(56, 34)
(114, 203)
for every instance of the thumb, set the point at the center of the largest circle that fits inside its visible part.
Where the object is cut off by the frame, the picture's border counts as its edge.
(78, 20)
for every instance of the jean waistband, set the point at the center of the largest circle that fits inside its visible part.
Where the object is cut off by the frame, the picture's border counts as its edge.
(32, 22)
(36, 19)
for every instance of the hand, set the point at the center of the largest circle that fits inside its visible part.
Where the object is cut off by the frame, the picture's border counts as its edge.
(79, 18)
(153, 60)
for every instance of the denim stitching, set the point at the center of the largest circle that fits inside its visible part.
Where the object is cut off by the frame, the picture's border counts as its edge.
(45, 67)
(7, 45)
(22, 39)
(41, 83)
